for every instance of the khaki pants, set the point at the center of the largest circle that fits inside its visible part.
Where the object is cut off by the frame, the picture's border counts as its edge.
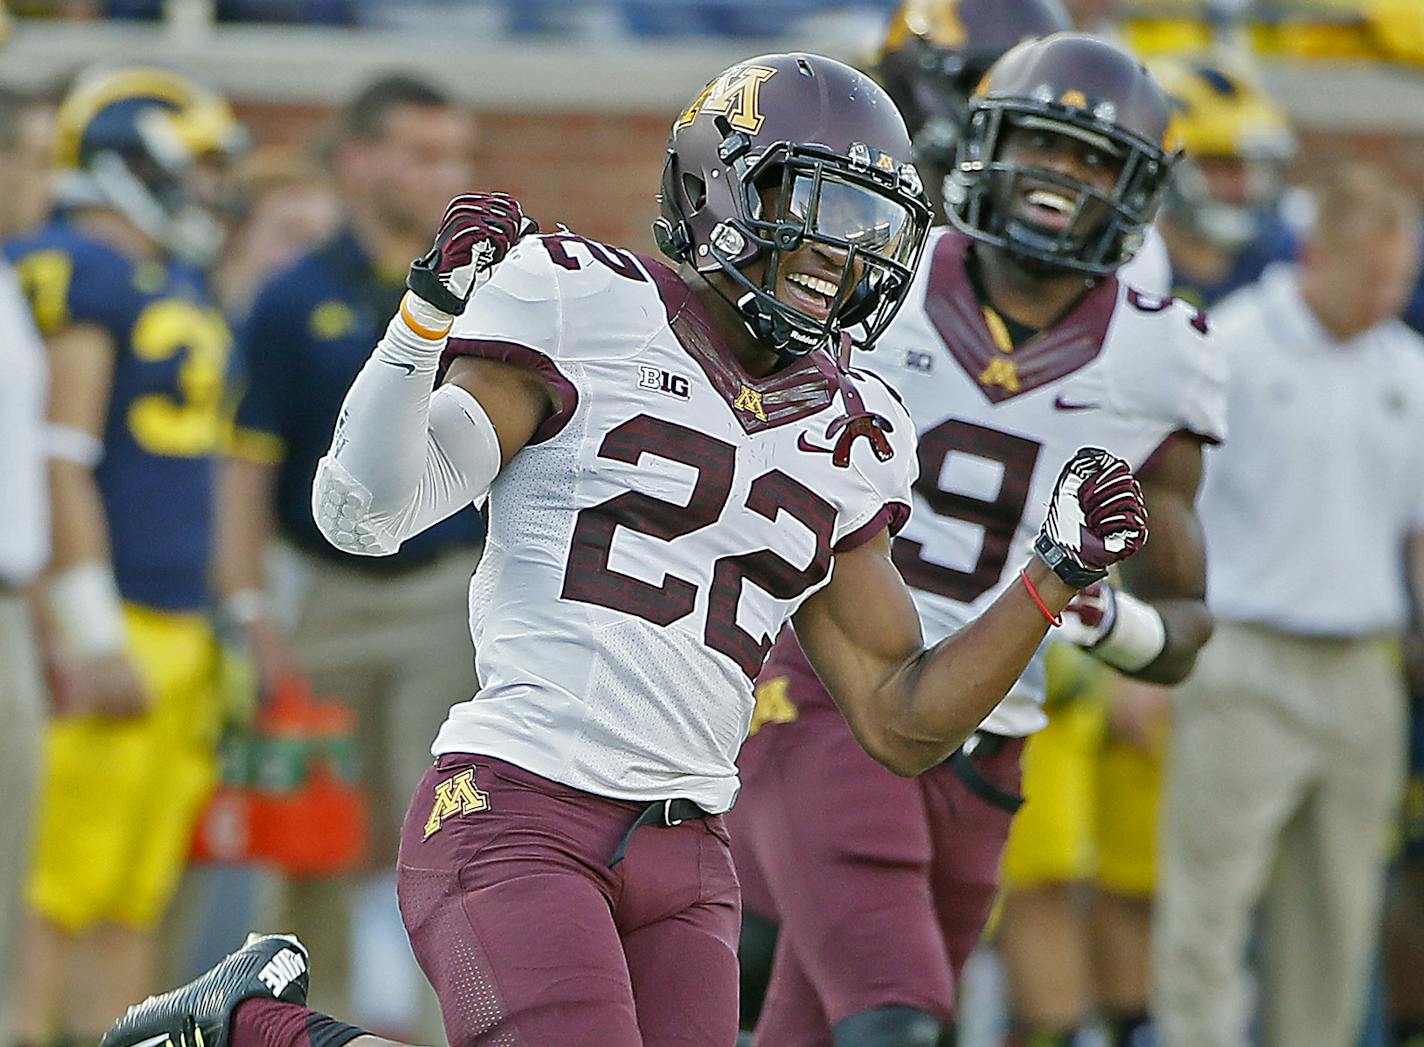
(20, 720)
(1284, 775)
(396, 649)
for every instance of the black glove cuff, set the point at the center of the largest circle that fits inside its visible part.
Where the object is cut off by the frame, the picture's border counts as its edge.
(424, 283)
(1060, 563)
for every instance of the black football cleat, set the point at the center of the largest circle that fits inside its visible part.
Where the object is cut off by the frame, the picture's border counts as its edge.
(199, 1014)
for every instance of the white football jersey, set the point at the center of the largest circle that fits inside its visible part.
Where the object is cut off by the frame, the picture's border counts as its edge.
(649, 543)
(1150, 269)
(1123, 370)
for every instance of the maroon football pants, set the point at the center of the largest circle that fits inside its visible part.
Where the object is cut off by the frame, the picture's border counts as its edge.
(528, 936)
(881, 885)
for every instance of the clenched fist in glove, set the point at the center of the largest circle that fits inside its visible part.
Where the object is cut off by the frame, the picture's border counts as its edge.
(476, 234)
(1096, 517)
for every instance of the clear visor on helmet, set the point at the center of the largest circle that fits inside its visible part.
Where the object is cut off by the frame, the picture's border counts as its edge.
(842, 213)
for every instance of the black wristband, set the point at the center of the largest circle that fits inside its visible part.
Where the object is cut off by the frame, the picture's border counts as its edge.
(424, 283)
(1060, 563)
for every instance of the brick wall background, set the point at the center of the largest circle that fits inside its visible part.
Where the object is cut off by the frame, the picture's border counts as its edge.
(598, 173)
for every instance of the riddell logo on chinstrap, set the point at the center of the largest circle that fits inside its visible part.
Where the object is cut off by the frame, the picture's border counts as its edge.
(282, 970)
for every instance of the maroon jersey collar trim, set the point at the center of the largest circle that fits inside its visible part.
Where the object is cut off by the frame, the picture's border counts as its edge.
(790, 395)
(954, 309)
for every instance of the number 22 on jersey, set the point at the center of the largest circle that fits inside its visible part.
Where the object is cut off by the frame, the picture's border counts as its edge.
(589, 579)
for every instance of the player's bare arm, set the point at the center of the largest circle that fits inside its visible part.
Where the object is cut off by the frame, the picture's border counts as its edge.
(516, 399)
(910, 707)
(1171, 574)
(79, 587)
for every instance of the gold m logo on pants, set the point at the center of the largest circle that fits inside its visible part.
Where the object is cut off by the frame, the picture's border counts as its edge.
(453, 796)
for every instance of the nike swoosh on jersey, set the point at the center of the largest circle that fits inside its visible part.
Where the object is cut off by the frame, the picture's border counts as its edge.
(1064, 405)
(802, 444)
(407, 368)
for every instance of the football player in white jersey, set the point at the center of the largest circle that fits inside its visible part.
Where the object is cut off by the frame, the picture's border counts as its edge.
(1016, 340)
(675, 464)
(933, 56)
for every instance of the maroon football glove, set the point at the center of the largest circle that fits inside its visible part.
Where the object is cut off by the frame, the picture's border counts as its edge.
(1096, 517)
(475, 235)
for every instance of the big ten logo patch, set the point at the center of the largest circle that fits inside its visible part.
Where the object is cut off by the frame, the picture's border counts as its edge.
(453, 796)
(666, 382)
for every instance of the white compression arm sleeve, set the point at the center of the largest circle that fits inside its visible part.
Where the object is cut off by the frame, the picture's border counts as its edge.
(402, 458)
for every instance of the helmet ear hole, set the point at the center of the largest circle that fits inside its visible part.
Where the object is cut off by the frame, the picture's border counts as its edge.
(695, 189)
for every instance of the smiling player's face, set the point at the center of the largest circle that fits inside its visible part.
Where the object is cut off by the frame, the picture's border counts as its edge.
(810, 277)
(1044, 203)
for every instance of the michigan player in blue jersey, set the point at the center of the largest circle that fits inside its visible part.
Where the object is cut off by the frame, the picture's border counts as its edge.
(138, 355)
(1221, 218)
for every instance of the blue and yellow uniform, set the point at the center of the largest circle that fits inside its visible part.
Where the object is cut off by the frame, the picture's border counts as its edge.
(1092, 799)
(121, 795)
(308, 335)
(1274, 242)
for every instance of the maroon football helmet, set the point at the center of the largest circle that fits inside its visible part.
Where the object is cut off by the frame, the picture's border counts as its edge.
(831, 141)
(936, 52)
(1080, 87)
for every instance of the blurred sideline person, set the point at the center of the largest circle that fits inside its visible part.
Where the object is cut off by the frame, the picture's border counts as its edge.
(1079, 868)
(24, 549)
(286, 205)
(1017, 342)
(24, 537)
(277, 205)
(137, 356)
(385, 636)
(1221, 219)
(1287, 759)
(676, 463)
(26, 140)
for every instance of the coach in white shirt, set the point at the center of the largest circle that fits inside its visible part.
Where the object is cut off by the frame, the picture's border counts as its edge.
(24, 548)
(1288, 750)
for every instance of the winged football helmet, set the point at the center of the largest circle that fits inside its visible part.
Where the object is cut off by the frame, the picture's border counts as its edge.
(132, 139)
(1231, 129)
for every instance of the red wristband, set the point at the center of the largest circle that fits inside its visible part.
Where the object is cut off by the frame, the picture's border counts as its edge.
(1053, 619)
